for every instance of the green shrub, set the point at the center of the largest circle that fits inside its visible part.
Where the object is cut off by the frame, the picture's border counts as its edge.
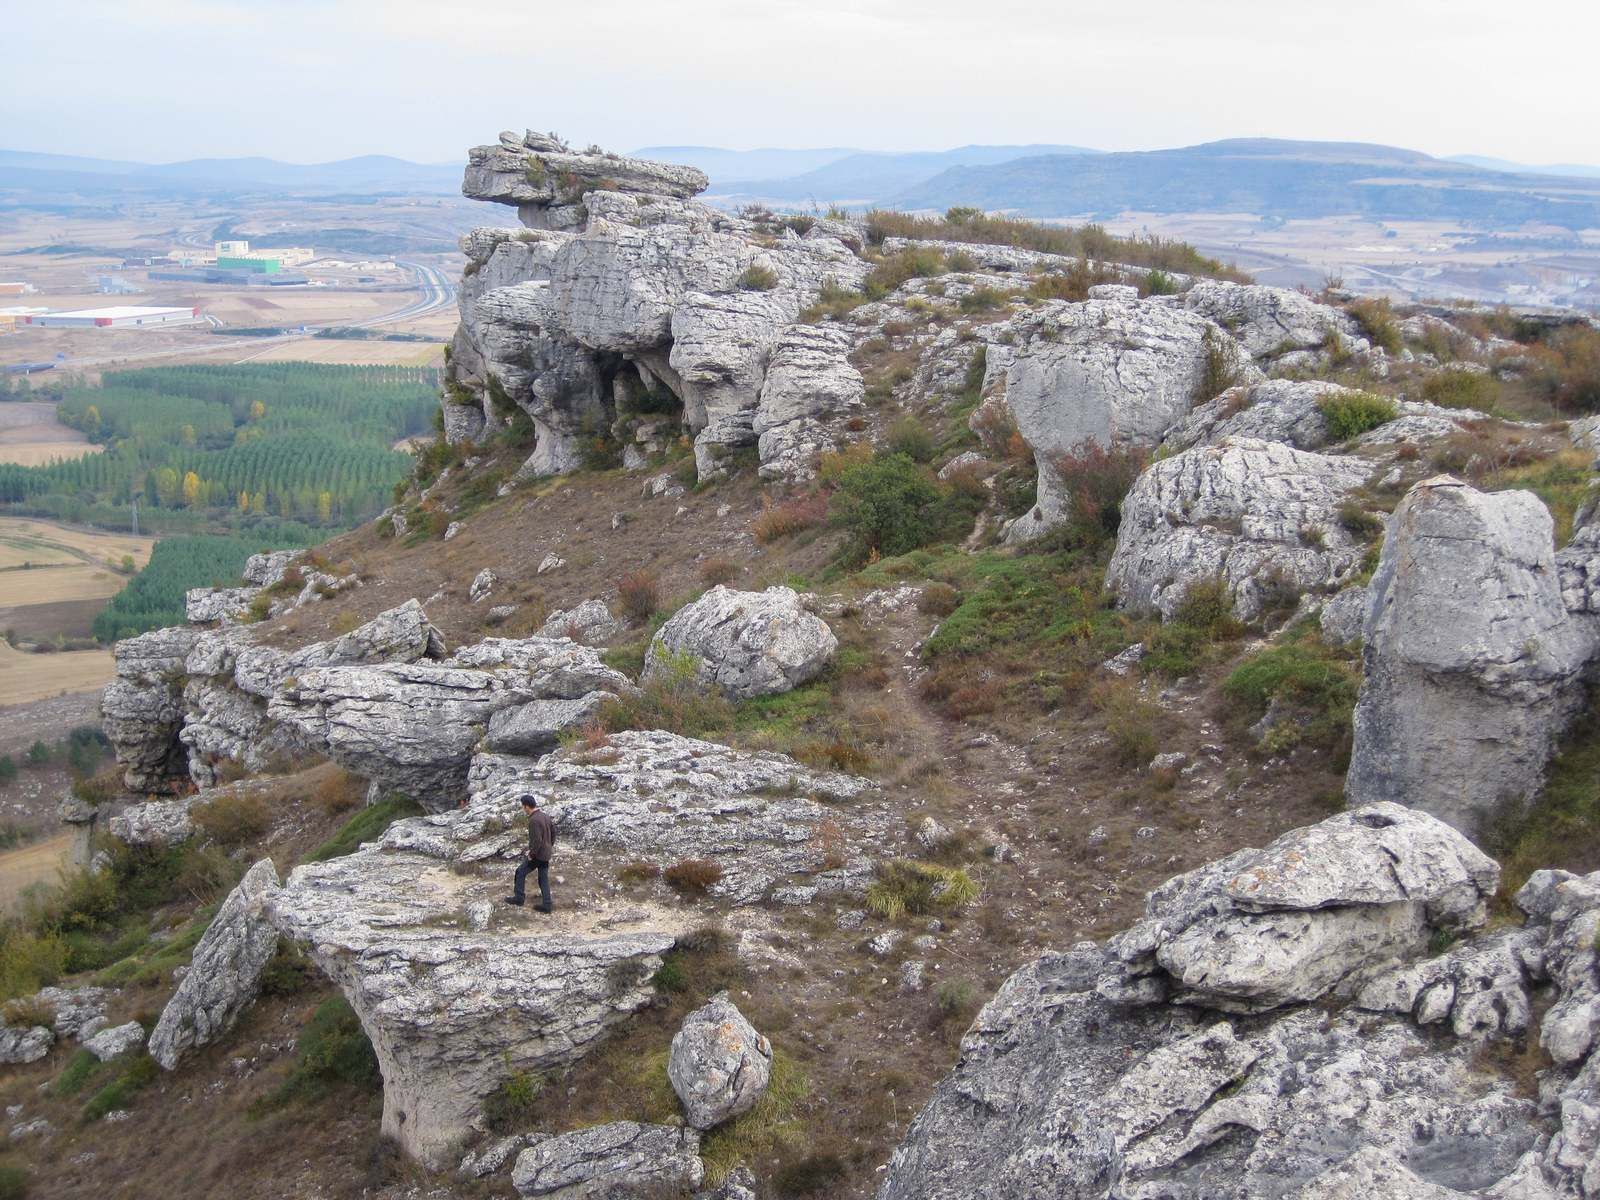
(13, 1183)
(333, 1051)
(1350, 414)
(911, 437)
(1220, 370)
(904, 886)
(29, 959)
(956, 997)
(890, 506)
(8, 768)
(674, 698)
(1316, 681)
(231, 820)
(1201, 624)
(513, 1106)
(758, 278)
(1458, 388)
(1376, 319)
(38, 754)
(76, 1074)
(1096, 481)
(366, 826)
(1158, 283)
(1131, 722)
(1358, 521)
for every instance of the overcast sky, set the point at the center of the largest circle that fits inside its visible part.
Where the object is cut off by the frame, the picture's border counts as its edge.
(310, 80)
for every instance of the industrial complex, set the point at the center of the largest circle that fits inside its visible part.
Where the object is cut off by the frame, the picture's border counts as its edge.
(125, 316)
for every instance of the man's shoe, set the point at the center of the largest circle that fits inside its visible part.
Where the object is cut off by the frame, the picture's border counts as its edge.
(517, 900)
(544, 908)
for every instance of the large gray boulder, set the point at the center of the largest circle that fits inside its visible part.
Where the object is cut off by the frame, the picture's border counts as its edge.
(225, 972)
(745, 644)
(412, 728)
(1265, 928)
(142, 708)
(590, 622)
(1109, 373)
(621, 1161)
(24, 1043)
(1473, 664)
(1259, 516)
(718, 1064)
(1062, 1090)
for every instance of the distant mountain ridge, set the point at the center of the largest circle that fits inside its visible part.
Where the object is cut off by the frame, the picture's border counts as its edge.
(1580, 170)
(871, 175)
(370, 173)
(1270, 177)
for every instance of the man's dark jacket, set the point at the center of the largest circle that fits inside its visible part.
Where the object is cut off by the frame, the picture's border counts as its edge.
(541, 835)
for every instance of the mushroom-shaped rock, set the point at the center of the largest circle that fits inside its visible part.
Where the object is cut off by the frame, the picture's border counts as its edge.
(719, 1065)
(225, 972)
(1472, 664)
(743, 643)
(621, 1161)
(1260, 516)
(1106, 373)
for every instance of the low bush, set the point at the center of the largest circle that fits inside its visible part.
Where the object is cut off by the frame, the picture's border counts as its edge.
(231, 820)
(1376, 319)
(1131, 722)
(1219, 371)
(757, 278)
(332, 1051)
(1358, 521)
(514, 1105)
(1350, 414)
(639, 595)
(938, 599)
(789, 517)
(1318, 683)
(13, 1183)
(911, 437)
(1458, 388)
(692, 876)
(366, 826)
(75, 1076)
(903, 886)
(1096, 481)
(638, 871)
(718, 570)
(1199, 628)
(674, 699)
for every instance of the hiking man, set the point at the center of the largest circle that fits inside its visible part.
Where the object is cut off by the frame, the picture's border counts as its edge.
(541, 841)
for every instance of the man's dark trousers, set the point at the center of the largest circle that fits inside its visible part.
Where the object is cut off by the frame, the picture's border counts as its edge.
(519, 886)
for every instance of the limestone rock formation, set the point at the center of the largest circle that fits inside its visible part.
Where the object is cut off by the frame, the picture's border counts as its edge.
(118, 1040)
(1344, 616)
(1065, 1090)
(663, 798)
(154, 823)
(142, 708)
(1269, 321)
(810, 391)
(621, 1161)
(744, 643)
(718, 1064)
(412, 728)
(224, 973)
(24, 1043)
(590, 623)
(1262, 929)
(1111, 373)
(1260, 516)
(1472, 664)
(79, 1011)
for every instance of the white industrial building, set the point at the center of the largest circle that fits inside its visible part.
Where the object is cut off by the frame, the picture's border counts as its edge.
(124, 316)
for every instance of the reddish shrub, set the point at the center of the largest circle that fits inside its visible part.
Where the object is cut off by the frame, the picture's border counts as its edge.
(790, 517)
(640, 594)
(692, 875)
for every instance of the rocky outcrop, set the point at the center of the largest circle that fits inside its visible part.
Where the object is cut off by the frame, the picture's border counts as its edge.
(718, 1064)
(456, 998)
(1268, 321)
(810, 391)
(1260, 516)
(1290, 411)
(225, 972)
(1109, 373)
(767, 822)
(590, 623)
(1067, 1087)
(154, 822)
(1472, 664)
(1344, 616)
(116, 1041)
(24, 1043)
(231, 678)
(142, 708)
(621, 1161)
(743, 643)
(412, 728)
(647, 296)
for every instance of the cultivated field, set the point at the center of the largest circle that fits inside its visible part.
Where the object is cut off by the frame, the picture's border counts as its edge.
(31, 436)
(41, 862)
(353, 353)
(24, 540)
(28, 677)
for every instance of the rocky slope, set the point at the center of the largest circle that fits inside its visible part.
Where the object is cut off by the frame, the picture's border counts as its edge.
(587, 594)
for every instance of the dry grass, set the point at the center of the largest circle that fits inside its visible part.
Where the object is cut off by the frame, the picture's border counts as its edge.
(51, 585)
(790, 517)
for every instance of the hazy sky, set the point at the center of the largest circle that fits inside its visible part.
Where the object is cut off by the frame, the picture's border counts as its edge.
(309, 80)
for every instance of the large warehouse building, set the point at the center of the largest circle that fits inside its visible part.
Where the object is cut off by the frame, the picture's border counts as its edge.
(120, 317)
